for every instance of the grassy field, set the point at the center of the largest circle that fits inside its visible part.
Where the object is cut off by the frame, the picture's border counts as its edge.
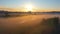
(31, 24)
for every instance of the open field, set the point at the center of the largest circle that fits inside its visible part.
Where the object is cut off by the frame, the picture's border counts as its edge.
(31, 24)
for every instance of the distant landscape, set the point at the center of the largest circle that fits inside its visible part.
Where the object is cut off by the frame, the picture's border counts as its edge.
(11, 14)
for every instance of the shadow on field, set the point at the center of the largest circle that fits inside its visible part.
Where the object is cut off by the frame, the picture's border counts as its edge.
(53, 26)
(46, 26)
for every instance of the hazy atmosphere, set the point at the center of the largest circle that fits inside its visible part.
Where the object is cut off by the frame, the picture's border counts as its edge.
(29, 16)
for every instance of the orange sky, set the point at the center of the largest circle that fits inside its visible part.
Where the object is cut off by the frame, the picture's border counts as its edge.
(38, 5)
(23, 9)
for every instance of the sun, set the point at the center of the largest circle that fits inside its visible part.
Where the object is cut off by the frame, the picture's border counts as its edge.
(29, 7)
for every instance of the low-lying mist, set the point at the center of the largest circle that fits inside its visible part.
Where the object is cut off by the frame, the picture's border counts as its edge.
(30, 25)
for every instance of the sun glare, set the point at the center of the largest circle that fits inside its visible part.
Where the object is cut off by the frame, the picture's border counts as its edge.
(28, 7)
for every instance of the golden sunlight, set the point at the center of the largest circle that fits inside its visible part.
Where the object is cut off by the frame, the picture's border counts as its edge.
(29, 7)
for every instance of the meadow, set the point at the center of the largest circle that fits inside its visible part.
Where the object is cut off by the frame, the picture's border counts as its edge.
(30, 24)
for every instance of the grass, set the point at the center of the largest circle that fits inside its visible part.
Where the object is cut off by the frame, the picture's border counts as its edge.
(46, 26)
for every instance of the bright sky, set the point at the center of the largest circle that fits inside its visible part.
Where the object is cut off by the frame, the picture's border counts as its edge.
(37, 4)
